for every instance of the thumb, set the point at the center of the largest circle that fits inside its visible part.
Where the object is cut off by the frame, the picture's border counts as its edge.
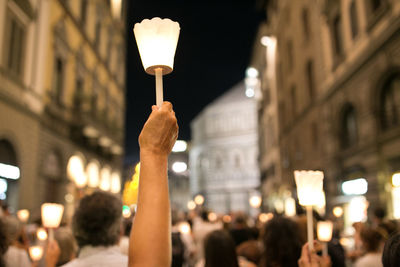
(154, 107)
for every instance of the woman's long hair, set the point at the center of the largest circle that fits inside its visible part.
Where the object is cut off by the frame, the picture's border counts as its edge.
(282, 243)
(219, 250)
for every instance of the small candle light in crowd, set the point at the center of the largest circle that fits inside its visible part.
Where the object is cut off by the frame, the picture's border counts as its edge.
(126, 211)
(23, 215)
(265, 217)
(191, 205)
(212, 216)
(36, 253)
(226, 219)
(51, 216)
(184, 228)
(337, 211)
(309, 189)
(199, 200)
(41, 234)
(157, 40)
(255, 201)
(324, 231)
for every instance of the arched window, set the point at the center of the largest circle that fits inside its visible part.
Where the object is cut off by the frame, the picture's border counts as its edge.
(348, 126)
(390, 102)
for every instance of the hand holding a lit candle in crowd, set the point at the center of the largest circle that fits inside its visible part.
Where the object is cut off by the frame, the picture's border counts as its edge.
(150, 240)
(309, 258)
(53, 253)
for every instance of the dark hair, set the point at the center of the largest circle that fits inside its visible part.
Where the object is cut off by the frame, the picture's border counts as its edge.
(282, 243)
(371, 239)
(391, 251)
(379, 213)
(3, 242)
(219, 250)
(97, 220)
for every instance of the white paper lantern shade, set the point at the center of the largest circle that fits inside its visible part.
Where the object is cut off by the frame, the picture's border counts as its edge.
(309, 186)
(36, 253)
(52, 214)
(157, 40)
(76, 171)
(324, 230)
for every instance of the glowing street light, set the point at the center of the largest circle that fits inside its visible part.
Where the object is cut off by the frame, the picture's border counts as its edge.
(157, 40)
(309, 189)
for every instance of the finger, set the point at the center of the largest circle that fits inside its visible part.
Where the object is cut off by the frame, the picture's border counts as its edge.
(154, 107)
(304, 253)
(166, 105)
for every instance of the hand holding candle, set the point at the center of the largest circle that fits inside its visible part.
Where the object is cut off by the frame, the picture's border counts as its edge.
(157, 40)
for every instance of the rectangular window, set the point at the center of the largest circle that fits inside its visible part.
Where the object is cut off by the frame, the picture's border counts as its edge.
(310, 78)
(306, 24)
(294, 100)
(83, 11)
(337, 35)
(58, 81)
(78, 97)
(290, 54)
(15, 50)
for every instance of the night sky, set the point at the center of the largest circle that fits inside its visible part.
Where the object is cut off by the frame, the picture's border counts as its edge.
(213, 52)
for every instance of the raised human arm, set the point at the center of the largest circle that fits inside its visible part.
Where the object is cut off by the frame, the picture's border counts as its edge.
(150, 240)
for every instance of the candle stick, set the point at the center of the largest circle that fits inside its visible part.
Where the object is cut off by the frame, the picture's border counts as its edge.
(157, 40)
(310, 227)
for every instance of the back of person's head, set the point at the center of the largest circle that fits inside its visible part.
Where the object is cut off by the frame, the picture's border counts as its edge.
(371, 239)
(13, 228)
(282, 243)
(219, 250)
(391, 251)
(97, 220)
(379, 213)
(204, 215)
(3, 242)
(67, 244)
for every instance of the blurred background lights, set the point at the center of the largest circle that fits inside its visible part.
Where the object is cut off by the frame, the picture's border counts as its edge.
(115, 183)
(396, 179)
(41, 234)
(355, 187)
(180, 146)
(36, 253)
(9, 171)
(255, 201)
(3, 186)
(191, 205)
(265, 217)
(126, 211)
(212, 216)
(250, 92)
(266, 41)
(337, 211)
(179, 167)
(251, 72)
(184, 228)
(226, 219)
(23, 215)
(199, 200)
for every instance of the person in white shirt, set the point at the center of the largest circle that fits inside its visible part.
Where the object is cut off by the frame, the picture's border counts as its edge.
(97, 227)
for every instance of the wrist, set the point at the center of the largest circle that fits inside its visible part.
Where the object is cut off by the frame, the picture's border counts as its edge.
(147, 154)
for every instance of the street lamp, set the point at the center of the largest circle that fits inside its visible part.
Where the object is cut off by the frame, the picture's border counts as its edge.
(157, 40)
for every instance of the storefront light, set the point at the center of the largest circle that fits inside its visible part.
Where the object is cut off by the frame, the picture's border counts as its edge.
(396, 202)
(92, 171)
(105, 183)
(355, 187)
(179, 167)
(9, 171)
(115, 183)
(358, 209)
(396, 179)
(179, 146)
(3, 186)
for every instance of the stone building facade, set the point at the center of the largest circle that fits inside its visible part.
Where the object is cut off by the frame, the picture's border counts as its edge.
(338, 87)
(224, 150)
(62, 84)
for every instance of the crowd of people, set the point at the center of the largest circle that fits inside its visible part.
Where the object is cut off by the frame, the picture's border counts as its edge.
(156, 236)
